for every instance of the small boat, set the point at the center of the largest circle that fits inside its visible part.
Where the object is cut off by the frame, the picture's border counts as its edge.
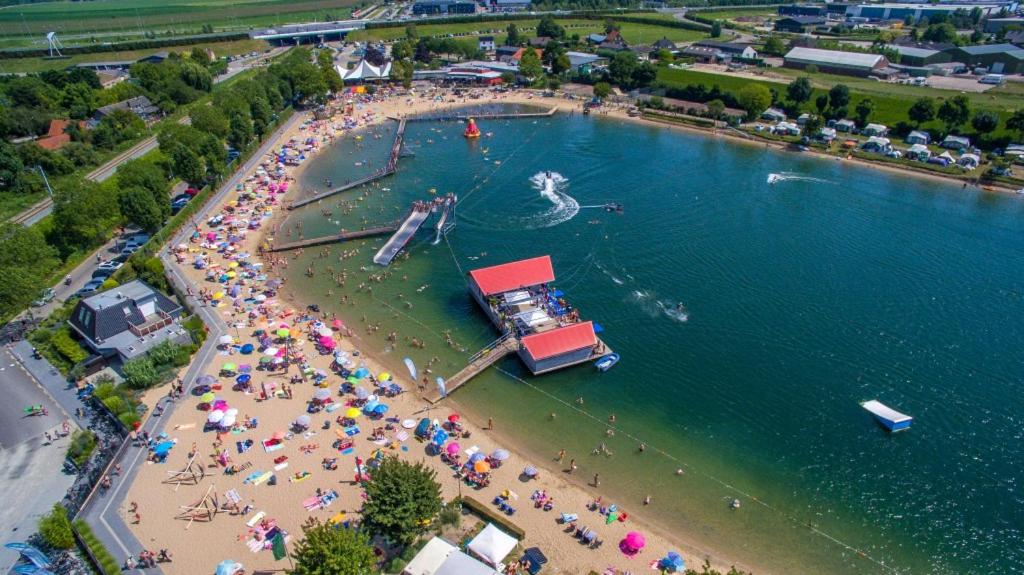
(888, 417)
(613, 207)
(604, 363)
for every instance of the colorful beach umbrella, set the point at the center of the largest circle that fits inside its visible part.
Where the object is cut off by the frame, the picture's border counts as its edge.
(530, 471)
(228, 367)
(477, 457)
(481, 467)
(361, 372)
(384, 376)
(283, 332)
(303, 420)
(453, 418)
(206, 380)
(207, 397)
(452, 448)
(352, 412)
(244, 378)
(380, 409)
(321, 394)
(500, 455)
(266, 359)
(270, 351)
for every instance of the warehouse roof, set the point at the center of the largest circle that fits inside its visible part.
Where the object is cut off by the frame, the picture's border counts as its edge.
(834, 57)
(985, 49)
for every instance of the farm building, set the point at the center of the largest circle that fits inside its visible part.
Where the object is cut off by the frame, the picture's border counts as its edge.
(997, 58)
(900, 11)
(729, 50)
(799, 24)
(914, 56)
(836, 62)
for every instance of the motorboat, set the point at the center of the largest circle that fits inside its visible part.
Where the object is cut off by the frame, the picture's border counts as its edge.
(888, 417)
(613, 207)
(604, 363)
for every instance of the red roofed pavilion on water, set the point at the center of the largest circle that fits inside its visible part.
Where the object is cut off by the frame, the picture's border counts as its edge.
(514, 275)
(558, 341)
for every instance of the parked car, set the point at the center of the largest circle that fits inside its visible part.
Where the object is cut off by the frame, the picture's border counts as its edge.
(89, 288)
(112, 265)
(129, 250)
(102, 273)
(192, 192)
(45, 297)
(179, 202)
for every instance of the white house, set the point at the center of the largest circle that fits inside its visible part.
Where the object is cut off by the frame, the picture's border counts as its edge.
(485, 43)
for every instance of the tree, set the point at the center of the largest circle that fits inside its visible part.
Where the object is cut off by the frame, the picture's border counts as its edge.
(985, 122)
(26, 260)
(530, 66)
(754, 98)
(774, 46)
(821, 103)
(209, 119)
(11, 168)
(402, 50)
(716, 29)
(561, 64)
(411, 33)
(402, 499)
(812, 125)
(839, 96)
(84, 212)
(940, 33)
(327, 550)
(325, 60)
(188, 165)
(55, 528)
(79, 100)
(140, 208)
(921, 111)
(1015, 122)
(603, 89)
(863, 110)
(549, 28)
(954, 112)
(799, 91)
(663, 55)
(716, 108)
(621, 69)
(513, 38)
(610, 25)
(241, 131)
(262, 115)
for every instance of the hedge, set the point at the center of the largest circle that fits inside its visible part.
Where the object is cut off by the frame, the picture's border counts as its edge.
(491, 514)
(83, 443)
(13, 53)
(61, 341)
(102, 558)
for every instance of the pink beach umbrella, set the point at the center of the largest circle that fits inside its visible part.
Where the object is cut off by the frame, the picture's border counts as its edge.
(327, 342)
(452, 448)
(632, 543)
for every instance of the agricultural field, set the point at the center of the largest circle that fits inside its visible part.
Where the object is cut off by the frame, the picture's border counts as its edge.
(633, 33)
(738, 13)
(29, 65)
(891, 100)
(136, 16)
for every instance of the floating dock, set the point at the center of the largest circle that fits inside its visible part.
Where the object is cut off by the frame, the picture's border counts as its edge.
(396, 151)
(341, 237)
(483, 359)
(506, 116)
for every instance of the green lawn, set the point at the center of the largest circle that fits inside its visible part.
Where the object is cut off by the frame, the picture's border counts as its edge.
(158, 15)
(891, 101)
(633, 33)
(40, 64)
(738, 13)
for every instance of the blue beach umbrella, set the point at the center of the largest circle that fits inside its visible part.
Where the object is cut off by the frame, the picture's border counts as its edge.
(440, 437)
(246, 349)
(477, 457)
(361, 372)
(244, 378)
(381, 409)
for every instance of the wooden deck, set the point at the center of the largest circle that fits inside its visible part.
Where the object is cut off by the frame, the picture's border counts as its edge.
(479, 362)
(508, 116)
(343, 236)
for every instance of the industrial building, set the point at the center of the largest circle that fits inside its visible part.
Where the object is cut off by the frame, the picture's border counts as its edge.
(799, 24)
(896, 11)
(996, 58)
(836, 62)
(436, 7)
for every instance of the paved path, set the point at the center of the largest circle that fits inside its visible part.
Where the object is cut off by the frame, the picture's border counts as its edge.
(104, 511)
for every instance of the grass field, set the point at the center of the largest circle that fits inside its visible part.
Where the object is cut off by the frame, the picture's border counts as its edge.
(891, 100)
(738, 13)
(40, 64)
(633, 33)
(133, 16)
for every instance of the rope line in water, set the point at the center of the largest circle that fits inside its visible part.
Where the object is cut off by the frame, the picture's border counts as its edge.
(678, 460)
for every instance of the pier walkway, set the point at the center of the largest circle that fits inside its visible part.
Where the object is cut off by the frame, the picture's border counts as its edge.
(343, 236)
(396, 149)
(507, 116)
(482, 360)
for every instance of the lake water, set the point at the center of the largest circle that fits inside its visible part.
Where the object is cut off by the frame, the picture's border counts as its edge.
(835, 285)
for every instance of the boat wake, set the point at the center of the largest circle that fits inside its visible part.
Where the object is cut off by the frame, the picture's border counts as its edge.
(774, 178)
(551, 187)
(655, 307)
(610, 275)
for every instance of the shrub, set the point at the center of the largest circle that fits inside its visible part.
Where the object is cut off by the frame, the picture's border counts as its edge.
(83, 442)
(99, 552)
(61, 341)
(140, 373)
(55, 528)
(115, 404)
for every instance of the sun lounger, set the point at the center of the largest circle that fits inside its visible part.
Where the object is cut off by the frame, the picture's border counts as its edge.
(255, 519)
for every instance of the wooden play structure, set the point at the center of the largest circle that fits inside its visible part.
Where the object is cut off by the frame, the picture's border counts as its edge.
(191, 474)
(203, 510)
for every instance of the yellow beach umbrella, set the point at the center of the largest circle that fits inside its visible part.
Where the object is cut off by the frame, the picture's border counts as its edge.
(218, 295)
(384, 376)
(233, 265)
(352, 412)
(231, 274)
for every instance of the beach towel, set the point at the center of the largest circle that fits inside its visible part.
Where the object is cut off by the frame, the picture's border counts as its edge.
(402, 435)
(254, 545)
(256, 519)
(270, 445)
(262, 478)
(280, 466)
(232, 496)
(327, 498)
(300, 476)
(252, 477)
(311, 503)
(243, 446)
(332, 407)
(353, 430)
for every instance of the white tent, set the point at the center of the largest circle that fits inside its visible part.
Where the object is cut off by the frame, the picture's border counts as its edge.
(430, 558)
(458, 563)
(492, 545)
(365, 71)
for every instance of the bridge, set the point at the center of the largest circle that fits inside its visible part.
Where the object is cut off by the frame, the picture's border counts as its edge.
(419, 214)
(396, 150)
(317, 30)
(483, 359)
(340, 237)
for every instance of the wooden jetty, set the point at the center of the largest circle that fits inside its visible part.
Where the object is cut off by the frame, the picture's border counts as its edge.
(343, 236)
(396, 150)
(483, 359)
(507, 116)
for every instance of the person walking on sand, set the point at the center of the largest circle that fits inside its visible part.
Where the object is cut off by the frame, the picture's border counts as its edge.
(597, 480)
(561, 456)
(572, 466)
(490, 423)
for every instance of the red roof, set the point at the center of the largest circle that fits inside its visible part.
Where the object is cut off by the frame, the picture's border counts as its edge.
(514, 275)
(561, 340)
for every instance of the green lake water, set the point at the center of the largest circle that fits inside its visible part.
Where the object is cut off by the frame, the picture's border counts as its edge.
(835, 285)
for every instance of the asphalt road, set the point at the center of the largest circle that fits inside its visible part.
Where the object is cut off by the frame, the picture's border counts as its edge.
(19, 391)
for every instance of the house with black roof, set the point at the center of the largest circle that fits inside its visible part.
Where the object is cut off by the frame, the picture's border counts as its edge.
(127, 321)
(139, 105)
(799, 24)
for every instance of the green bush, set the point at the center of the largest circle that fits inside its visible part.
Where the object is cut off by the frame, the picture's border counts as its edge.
(106, 561)
(55, 528)
(61, 341)
(140, 373)
(129, 419)
(115, 404)
(83, 443)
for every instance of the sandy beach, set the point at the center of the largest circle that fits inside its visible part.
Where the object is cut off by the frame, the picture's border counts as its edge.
(197, 546)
